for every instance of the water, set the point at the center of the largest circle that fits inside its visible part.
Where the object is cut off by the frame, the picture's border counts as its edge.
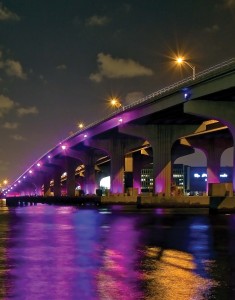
(56, 252)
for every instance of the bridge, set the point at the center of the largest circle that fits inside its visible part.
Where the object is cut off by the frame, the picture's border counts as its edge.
(158, 129)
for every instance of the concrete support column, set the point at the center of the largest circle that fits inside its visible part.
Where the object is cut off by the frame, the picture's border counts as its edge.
(115, 147)
(46, 184)
(90, 178)
(117, 166)
(223, 111)
(213, 164)
(137, 166)
(161, 138)
(71, 182)
(57, 183)
(213, 149)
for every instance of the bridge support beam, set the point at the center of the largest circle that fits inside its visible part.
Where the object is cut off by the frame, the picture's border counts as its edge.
(213, 149)
(161, 138)
(88, 158)
(115, 147)
(223, 111)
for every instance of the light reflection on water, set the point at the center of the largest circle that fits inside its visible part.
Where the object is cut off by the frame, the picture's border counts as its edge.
(56, 252)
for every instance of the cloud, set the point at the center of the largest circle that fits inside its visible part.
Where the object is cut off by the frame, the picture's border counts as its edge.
(7, 15)
(230, 3)
(6, 104)
(10, 125)
(14, 68)
(22, 111)
(214, 28)
(97, 21)
(18, 137)
(110, 67)
(4, 165)
(61, 67)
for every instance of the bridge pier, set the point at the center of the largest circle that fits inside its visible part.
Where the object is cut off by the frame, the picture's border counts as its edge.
(161, 138)
(223, 111)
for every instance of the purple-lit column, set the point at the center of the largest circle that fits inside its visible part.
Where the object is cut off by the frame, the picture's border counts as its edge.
(223, 111)
(90, 182)
(71, 165)
(117, 166)
(57, 183)
(137, 167)
(161, 138)
(46, 184)
(213, 149)
(90, 179)
(162, 166)
(114, 147)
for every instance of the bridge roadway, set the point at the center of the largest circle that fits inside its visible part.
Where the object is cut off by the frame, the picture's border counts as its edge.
(157, 129)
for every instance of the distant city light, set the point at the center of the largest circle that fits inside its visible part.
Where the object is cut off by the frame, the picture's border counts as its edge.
(105, 182)
(224, 175)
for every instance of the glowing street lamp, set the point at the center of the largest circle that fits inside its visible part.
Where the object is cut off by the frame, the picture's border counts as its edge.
(115, 103)
(80, 125)
(180, 60)
(5, 181)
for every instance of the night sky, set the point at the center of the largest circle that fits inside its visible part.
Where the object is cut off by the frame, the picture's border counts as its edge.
(61, 60)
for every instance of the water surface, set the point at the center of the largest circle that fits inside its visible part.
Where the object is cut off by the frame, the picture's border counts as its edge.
(65, 252)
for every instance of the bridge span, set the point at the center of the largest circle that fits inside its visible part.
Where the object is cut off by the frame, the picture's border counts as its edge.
(170, 123)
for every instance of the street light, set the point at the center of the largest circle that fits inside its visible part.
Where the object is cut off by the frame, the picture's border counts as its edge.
(80, 125)
(180, 60)
(115, 103)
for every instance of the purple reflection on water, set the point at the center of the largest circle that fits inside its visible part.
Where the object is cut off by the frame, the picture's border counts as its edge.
(65, 253)
(54, 252)
(118, 277)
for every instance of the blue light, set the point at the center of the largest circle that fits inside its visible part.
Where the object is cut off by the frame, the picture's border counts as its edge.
(187, 93)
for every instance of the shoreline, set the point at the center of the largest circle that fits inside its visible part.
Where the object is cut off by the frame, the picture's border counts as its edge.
(213, 204)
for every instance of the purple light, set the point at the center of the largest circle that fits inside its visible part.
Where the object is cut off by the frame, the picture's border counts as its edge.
(120, 120)
(19, 181)
(30, 171)
(63, 147)
(85, 135)
(48, 156)
(24, 177)
(38, 164)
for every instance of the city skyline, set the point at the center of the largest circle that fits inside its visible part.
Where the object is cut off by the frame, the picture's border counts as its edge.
(60, 63)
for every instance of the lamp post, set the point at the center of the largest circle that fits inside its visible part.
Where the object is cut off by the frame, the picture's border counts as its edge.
(180, 60)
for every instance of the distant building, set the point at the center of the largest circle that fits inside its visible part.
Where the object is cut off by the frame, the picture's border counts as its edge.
(185, 179)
